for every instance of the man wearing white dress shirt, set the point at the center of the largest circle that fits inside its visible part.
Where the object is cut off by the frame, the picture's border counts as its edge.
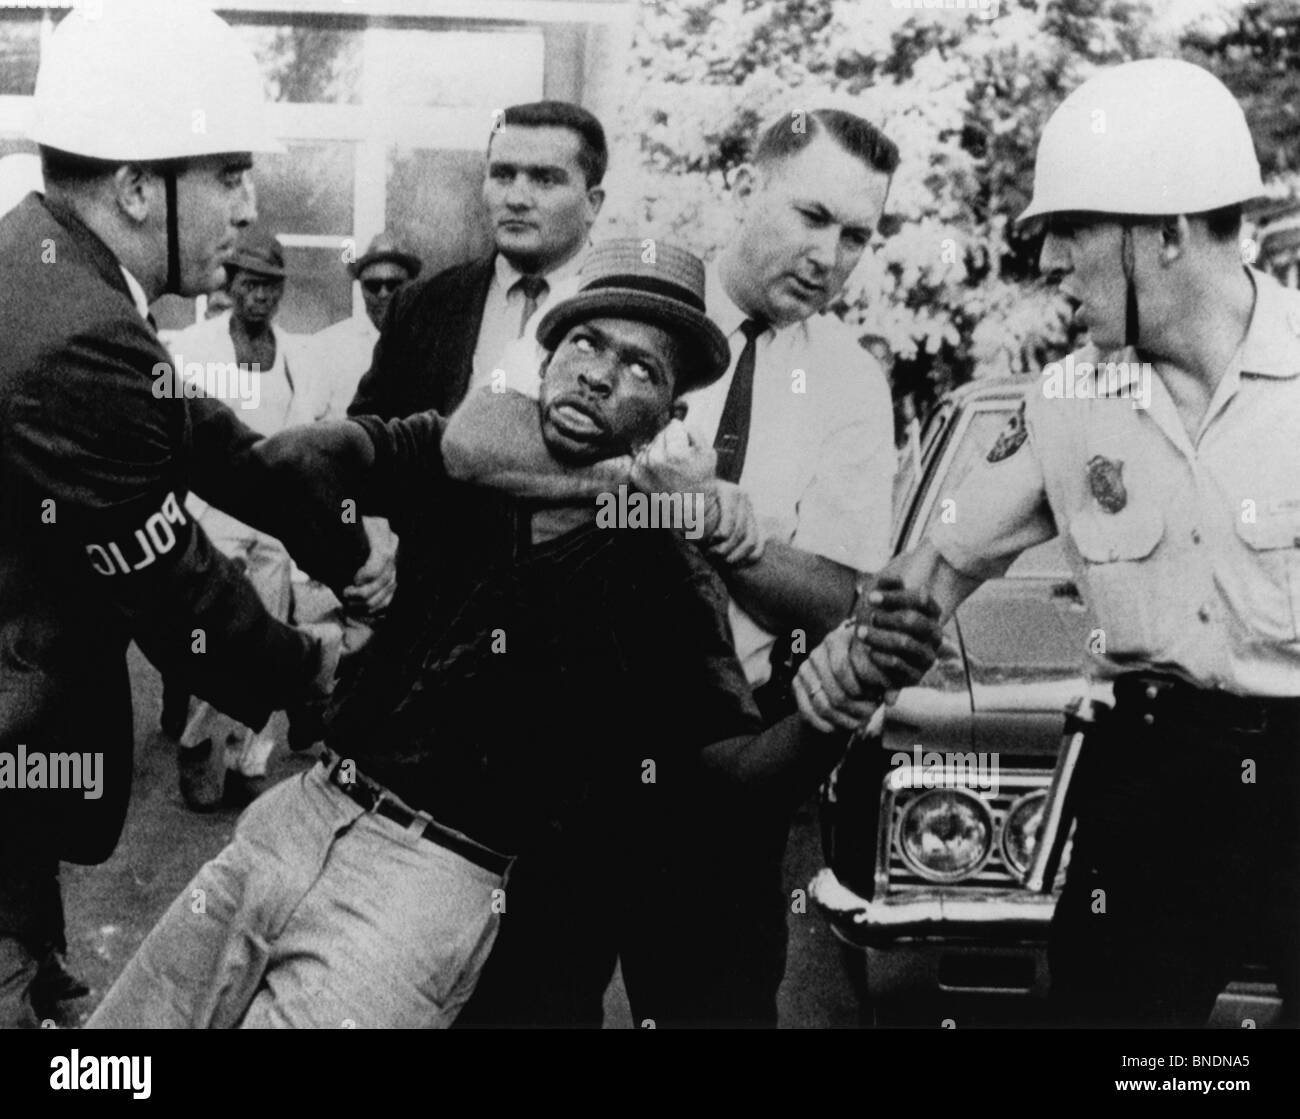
(803, 422)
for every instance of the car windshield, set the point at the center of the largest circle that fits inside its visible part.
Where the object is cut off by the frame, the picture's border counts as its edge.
(975, 440)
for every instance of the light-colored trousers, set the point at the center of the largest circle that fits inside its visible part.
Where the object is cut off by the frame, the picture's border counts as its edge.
(267, 566)
(318, 914)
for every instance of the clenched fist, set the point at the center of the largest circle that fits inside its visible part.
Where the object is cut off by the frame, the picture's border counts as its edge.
(889, 644)
(675, 462)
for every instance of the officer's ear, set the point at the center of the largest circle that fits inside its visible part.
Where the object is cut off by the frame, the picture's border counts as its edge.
(137, 191)
(745, 181)
(1175, 236)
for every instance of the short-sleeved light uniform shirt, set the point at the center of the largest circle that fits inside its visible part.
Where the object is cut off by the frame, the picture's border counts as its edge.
(1187, 549)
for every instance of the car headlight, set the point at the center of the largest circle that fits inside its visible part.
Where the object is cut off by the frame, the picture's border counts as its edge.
(946, 834)
(1020, 832)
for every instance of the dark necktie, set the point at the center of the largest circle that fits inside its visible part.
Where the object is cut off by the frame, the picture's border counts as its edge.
(733, 429)
(533, 287)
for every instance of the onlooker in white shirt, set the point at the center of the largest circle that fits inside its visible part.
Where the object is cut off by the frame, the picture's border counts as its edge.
(266, 376)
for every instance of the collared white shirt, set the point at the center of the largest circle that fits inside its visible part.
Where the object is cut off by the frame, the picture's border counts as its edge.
(138, 296)
(1187, 549)
(288, 393)
(341, 355)
(499, 330)
(819, 466)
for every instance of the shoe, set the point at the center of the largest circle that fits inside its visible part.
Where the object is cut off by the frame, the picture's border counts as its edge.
(54, 984)
(202, 778)
(241, 790)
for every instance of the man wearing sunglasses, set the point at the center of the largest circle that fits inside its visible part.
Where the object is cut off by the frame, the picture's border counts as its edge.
(343, 351)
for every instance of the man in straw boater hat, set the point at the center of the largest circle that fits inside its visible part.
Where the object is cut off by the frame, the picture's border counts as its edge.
(1171, 472)
(544, 689)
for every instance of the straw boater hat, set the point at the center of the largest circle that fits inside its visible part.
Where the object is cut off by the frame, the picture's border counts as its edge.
(618, 281)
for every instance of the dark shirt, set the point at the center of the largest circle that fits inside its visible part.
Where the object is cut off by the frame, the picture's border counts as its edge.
(519, 690)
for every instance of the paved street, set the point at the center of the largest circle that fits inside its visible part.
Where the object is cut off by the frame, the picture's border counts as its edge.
(112, 906)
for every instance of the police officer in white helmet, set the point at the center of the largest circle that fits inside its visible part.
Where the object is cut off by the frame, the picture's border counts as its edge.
(1166, 454)
(146, 115)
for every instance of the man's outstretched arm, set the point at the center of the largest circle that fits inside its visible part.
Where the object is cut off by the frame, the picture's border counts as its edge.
(882, 648)
(784, 763)
(925, 571)
(789, 589)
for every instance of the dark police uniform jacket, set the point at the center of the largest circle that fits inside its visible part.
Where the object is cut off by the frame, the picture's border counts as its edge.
(97, 453)
(425, 354)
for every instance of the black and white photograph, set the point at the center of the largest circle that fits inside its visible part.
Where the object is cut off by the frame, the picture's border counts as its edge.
(721, 515)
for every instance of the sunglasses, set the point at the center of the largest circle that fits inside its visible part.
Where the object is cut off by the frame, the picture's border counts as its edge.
(375, 287)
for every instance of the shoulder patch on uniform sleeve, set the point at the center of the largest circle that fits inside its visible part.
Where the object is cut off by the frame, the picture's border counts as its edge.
(1012, 437)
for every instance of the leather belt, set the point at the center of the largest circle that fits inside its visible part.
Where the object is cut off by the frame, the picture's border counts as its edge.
(1167, 698)
(373, 797)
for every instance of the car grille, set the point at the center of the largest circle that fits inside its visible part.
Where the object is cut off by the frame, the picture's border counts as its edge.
(901, 787)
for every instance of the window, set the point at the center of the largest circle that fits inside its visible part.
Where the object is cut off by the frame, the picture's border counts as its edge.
(308, 63)
(20, 52)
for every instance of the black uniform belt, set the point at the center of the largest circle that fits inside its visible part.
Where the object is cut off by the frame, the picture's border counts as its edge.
(373, 797)
(1169, 699)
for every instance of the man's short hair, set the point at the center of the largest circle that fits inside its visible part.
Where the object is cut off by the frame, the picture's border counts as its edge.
(784, 138)
(593, 154)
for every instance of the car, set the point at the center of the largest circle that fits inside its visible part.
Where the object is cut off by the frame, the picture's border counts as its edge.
(931, 822)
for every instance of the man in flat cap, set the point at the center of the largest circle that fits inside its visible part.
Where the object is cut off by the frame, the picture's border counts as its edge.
(512, 705)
